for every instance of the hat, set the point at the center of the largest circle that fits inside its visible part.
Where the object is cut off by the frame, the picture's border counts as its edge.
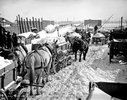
(33, 28)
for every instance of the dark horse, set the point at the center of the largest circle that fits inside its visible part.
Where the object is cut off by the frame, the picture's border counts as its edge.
(39, 62)
(78, 44)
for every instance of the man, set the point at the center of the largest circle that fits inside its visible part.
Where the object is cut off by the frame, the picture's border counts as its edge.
(88, 36)
(15, 39)
(2, 37)
(95, 29)
(9, 40)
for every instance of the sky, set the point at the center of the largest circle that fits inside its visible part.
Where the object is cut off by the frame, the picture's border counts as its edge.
(63, 10)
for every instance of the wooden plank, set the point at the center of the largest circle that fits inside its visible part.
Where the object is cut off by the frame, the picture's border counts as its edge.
(25, 26)
(42, 24)
(36, 24)
(18, 24)
(22, 25)
(9, 75)
(33, 21)
(28, 25)
(39, 24)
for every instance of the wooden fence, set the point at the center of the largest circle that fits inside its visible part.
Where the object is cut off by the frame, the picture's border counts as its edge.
(25, 25)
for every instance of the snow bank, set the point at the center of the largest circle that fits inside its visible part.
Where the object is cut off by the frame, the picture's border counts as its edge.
(64, 30)
(72, 82)
(74, 34)
(98, 35)
(27, 34)
(50, 28)
(4, 62)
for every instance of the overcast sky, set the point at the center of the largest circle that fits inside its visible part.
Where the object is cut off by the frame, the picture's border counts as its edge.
(64, 9)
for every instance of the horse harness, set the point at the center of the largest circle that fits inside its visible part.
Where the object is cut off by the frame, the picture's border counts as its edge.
(40, 57)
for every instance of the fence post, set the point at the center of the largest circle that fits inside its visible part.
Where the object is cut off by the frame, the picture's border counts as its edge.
(36, 23)
(42, 24)
(33, 21)
(28, 26)
(22, 25)
(39, 26)
(18, 27)
(25, 26)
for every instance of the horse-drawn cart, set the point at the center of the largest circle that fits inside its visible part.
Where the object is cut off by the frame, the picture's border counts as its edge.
(118, 44)
(98, 38)
(63, 57)
(10, 84)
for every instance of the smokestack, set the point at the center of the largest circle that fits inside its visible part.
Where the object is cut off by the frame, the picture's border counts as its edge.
(121, 23)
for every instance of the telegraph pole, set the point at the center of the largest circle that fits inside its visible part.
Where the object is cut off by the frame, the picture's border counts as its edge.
(121, 23)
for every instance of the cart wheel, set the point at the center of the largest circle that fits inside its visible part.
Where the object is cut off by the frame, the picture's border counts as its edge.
(3, 96)
(65, 62)
(69, 60)
(22, 94)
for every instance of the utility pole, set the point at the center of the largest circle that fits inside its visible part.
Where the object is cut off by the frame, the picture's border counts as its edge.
(121, 23)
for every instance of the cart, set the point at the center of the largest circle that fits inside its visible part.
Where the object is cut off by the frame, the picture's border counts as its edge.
(63, 56)
(118, 44)
(98, 38)
(11, 87)
(108, 91)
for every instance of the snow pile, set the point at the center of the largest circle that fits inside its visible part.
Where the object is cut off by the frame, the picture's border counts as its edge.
(50, 28)
(63, 31)
(98, 35)
(53, 34)
(45, 37)
(72, 82)
(27, 34)
(4, 62)
(74, 34)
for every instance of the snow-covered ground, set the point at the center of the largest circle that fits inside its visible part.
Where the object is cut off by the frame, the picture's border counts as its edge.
(71, 83)
(4, 62)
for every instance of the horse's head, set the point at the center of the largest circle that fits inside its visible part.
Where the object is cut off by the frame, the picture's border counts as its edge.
(20, 52)
(20, 55)
(7, 54)
(21, 40)
(54, 46)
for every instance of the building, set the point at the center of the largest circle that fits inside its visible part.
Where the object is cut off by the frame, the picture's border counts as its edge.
(92, 23)
(9, 26)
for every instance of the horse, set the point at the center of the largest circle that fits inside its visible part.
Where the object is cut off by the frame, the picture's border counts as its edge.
(39, 60)
(6, 53)
(20, 54)
(17, 53)
(78, 44)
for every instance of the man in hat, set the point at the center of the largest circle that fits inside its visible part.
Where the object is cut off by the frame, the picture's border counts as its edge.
(95, 29)
(34, 29)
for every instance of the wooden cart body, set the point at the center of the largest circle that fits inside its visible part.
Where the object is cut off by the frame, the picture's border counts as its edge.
(63, 57)
(118, 44)
(10, 83)
(97, 40)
